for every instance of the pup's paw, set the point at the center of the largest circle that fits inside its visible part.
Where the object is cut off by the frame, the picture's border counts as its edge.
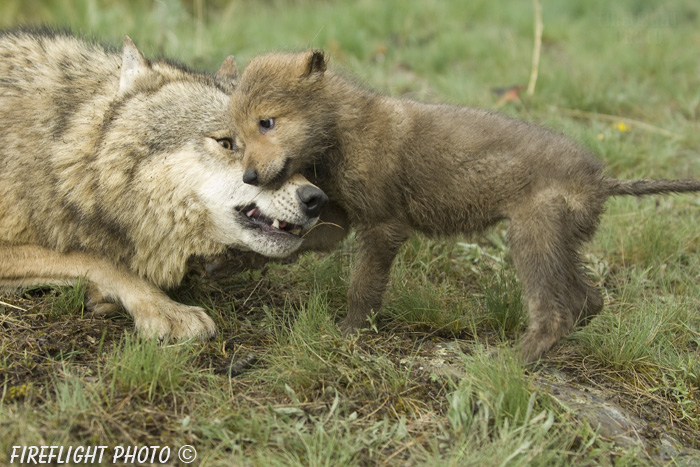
(534, 345)
(350, 326)
(176, 321)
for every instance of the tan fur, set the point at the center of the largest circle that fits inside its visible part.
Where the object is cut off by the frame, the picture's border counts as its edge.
(119, 169)
(395, 166)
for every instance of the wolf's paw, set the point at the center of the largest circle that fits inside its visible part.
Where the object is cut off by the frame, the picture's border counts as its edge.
(176, 321)
(190, 321)
(99, 304)
(104, 308)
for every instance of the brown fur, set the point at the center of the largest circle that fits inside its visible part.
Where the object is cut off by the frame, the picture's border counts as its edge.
(394, 166)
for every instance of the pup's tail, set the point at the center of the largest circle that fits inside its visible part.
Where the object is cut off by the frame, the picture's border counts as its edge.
(649, 187)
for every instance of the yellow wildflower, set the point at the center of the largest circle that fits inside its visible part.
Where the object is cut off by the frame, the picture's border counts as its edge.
(622, 127)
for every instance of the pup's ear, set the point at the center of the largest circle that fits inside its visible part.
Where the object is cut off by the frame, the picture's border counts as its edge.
(228, 69)
(134, 66)
(315, 62)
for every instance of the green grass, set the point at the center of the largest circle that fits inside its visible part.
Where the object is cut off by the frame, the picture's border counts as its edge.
(147, 368)
(435, 380)
(69, 300)
(495, 418)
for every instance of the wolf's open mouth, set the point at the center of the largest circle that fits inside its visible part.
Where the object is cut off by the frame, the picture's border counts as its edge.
(253, 214)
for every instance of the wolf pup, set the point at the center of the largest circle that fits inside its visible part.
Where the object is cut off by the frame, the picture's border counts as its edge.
(117, 169)
(394, 166)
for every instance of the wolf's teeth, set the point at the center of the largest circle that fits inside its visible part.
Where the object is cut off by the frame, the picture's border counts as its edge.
(251, 212)
(276, 224)
(295, 231)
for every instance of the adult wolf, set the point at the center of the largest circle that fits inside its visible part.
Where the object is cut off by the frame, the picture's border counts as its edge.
(118, 169)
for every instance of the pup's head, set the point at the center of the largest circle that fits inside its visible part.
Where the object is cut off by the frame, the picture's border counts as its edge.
(282, 115)
(170, 152)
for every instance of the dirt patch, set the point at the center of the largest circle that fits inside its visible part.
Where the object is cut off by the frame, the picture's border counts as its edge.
(36, 343)
(603, 410)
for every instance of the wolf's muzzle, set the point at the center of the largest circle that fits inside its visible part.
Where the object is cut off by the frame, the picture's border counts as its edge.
(312, 200)
(251, 177)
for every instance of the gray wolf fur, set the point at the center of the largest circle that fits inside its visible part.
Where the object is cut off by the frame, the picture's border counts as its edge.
(393, 166)
(118, 169)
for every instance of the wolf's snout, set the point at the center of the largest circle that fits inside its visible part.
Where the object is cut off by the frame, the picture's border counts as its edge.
(251, 177)
(312, 200)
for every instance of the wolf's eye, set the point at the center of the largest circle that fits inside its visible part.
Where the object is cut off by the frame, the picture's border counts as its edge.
(226, 143)
(266, 124)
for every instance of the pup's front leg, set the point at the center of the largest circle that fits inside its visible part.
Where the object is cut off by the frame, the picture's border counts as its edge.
(377, 246)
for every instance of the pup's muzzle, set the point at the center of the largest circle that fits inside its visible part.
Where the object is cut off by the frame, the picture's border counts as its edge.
(312, 200)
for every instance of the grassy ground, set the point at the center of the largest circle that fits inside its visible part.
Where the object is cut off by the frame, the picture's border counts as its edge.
(423, 386)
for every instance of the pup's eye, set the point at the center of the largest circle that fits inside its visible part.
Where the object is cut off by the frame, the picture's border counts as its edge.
(266, 124)
(227, 143)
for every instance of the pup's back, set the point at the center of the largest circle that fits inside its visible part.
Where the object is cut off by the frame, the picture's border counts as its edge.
(464, 166)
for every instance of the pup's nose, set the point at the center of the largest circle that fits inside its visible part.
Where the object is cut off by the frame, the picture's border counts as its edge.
(312, 200)
(250, 177)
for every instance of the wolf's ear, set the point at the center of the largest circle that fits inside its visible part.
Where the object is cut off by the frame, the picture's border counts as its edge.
(228, 69)
(134, 66)
(315, 62)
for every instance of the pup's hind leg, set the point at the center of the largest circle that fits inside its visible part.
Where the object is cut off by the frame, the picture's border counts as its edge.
(377, 247)
(154, 313)
(544, 241)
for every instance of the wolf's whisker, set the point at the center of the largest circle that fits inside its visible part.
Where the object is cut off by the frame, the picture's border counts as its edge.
(320, 224)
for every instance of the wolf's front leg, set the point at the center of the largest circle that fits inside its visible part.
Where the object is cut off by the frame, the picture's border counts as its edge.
(154, 313)
(377, 246)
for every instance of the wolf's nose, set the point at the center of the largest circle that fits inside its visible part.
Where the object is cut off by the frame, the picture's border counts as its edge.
(250, 177)
(312, 200)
